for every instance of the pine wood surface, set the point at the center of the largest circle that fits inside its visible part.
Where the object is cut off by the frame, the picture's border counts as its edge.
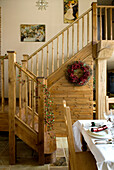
(79, 98)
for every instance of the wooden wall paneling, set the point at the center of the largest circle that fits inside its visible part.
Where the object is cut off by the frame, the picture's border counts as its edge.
(79, 98)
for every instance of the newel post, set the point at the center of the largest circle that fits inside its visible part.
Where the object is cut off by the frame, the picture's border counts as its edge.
(12, 104)
(40, 107)
(94, 28)
(25, 57)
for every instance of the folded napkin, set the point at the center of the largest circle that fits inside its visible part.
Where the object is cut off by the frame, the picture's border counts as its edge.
(99, 128)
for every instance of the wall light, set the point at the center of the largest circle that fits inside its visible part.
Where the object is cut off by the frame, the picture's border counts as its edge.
(42, 4)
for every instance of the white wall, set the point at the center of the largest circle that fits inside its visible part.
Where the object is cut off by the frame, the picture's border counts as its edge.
(16, 12)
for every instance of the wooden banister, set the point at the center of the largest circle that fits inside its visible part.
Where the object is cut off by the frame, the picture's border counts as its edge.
(29, 75)
(59, 33)
(104, 6)
(4, 57)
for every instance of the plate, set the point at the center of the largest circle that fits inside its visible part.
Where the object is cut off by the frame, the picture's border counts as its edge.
(101, 134)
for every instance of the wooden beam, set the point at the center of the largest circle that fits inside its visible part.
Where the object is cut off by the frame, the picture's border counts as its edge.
(12, 104)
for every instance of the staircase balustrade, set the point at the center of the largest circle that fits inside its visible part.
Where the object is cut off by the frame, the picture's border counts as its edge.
(105, 23)
(72, 39)
(61, 47)
(32, 114)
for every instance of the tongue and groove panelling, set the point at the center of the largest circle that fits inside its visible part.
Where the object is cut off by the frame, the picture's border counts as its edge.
(79, 98)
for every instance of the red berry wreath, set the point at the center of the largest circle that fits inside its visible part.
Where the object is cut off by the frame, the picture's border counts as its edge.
(78, 73)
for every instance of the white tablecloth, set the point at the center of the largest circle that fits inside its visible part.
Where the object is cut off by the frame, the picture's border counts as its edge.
(103, 153)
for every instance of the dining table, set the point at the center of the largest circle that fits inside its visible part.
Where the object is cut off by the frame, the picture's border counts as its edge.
(99, 143)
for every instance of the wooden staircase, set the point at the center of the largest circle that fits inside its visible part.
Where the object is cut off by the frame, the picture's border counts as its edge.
(50, 61)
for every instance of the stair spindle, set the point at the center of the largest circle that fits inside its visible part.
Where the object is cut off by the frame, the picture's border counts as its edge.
(33, 104)
(52, 57)
(87, 27)
(105, 23)
(63, 48)
(29, 92)
(37, 63)
(72, 40)
(47, 61)
(111, 24)
(100, 23)
(77, 36)
(2, 82)
(67, 43)
(20, 93)
(82, 31)
(57, 52)
(42, 63)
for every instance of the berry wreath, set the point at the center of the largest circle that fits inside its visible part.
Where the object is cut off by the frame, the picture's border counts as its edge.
(78, 73)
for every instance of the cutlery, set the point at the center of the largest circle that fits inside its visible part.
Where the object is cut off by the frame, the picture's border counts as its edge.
(103, 142)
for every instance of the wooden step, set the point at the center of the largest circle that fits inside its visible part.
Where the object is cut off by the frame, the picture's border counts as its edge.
(25, 133)
(30, 137)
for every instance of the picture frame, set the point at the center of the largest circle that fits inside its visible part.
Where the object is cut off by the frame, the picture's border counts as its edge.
(70, 10)
(32, 33)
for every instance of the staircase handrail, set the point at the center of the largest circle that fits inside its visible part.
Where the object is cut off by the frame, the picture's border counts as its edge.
(59, 33)
(104, 6)
(24, 71)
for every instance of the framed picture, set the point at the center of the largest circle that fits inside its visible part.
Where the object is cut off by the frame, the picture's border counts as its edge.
(70, 11)
(32, 33)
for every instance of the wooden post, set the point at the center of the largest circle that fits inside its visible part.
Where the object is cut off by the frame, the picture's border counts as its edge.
(25, 57)
(101, 82)
(41, 82)
(12, 104)
(105, 51)
(24, 90)
(94, 28)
